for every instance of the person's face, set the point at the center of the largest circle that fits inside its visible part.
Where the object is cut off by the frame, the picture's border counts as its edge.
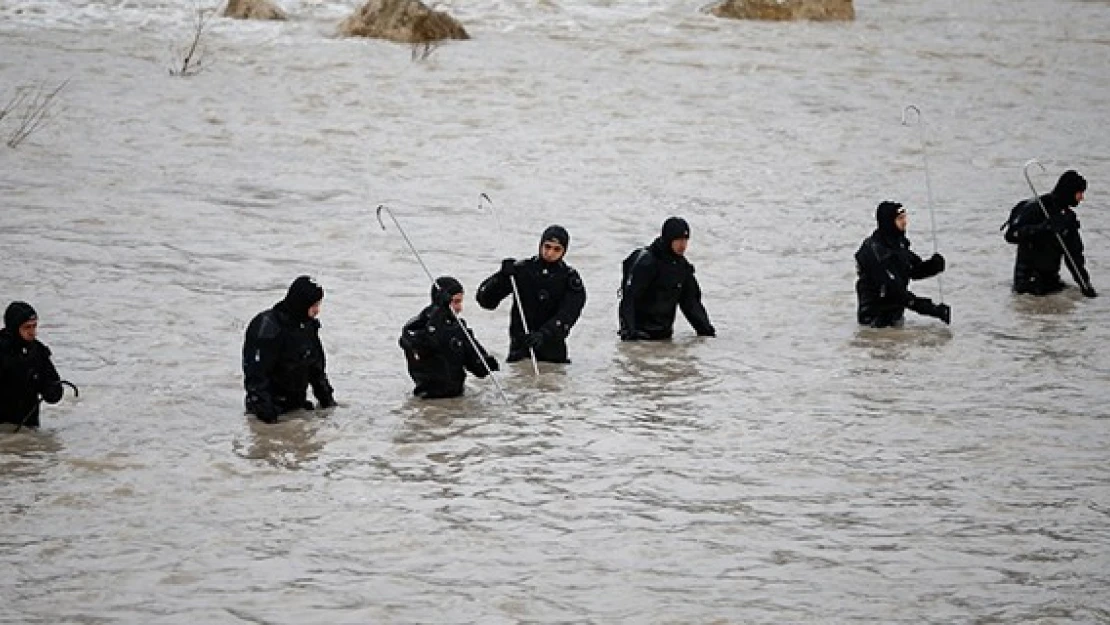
(552, 251)
(457, 303)
(29, 330)
(678, 246)
(314, 309)
(902, 221)
(1078, 197)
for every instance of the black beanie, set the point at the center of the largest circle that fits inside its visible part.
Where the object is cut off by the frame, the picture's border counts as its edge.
(302, 294)
(885, 215)
(1068, 185)
(556, 233)
(448, 285)
(17, 314)
(675, 228)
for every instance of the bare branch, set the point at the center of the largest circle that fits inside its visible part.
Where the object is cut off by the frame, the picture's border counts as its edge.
(31, 105)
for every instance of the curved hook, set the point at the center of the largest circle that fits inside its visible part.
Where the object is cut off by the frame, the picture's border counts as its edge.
(1025, 172)
(378, 213)
(484, 196)
(908, 108)
(76, 393)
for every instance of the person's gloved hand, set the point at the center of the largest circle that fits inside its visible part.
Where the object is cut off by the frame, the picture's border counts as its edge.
(943, 312)
(508, 267)
(491, 362)
(532, 340)
(52, 392)
(937, 262)
(1089, 291)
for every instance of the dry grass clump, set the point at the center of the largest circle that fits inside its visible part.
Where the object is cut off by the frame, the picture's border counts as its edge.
(29, 109)
(786, 10)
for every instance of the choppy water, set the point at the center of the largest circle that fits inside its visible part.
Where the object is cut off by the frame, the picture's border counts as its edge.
(795, 469)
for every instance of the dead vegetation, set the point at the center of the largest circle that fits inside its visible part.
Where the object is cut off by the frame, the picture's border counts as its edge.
(190, 59)
(29, 109)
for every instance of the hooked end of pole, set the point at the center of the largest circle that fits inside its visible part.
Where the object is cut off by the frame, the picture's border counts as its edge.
(906, 110)
(378, 213)
(1032, 161)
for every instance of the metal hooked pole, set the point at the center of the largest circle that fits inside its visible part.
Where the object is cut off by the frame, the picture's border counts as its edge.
(1047, 216)
(928, 182)
(38, 402)
(519, 303)
(469, 338)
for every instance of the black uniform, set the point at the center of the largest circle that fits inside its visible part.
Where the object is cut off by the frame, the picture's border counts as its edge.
(552, 295)
(283, 356)
(656, 282)
(884, 266)
(26, 372)
(1037, 267)
(437, 350)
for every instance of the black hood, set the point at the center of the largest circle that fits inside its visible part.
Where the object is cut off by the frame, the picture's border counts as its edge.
(675, 228)
(1069, 184)
(558, 234)
(17, 314)
(885, 215)
(302, 294)
(448, 285)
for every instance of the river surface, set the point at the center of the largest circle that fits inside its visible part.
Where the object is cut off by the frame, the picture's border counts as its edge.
(794, 469)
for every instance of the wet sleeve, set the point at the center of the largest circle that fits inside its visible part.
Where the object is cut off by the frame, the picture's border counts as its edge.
(318, 380)
(574, 299)
(50, 386)
(260, 350)
(494, 289)
(1078, 269)
(637, 282)
(693, 309)
(415, 337)
(1027, 224)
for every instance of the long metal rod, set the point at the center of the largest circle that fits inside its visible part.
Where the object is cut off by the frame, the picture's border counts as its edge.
(1029, 181)
(928, 183)
(469, 338)
(519, 303)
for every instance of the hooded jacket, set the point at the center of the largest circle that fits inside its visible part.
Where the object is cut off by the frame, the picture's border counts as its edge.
(283, 356)
(1037, 263)
(26, 371)
(552, 295)
(656, 283)
(437, 350)
(884, 267)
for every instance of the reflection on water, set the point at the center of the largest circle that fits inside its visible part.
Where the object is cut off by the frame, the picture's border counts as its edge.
(291, 443)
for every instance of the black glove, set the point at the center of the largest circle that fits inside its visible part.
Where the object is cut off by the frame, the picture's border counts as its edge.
(508, 267)
(1088, 291)
(532, 340)
(944, 313)
(936, 261)
(52, 392)
(327, 401)
(491, 362)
